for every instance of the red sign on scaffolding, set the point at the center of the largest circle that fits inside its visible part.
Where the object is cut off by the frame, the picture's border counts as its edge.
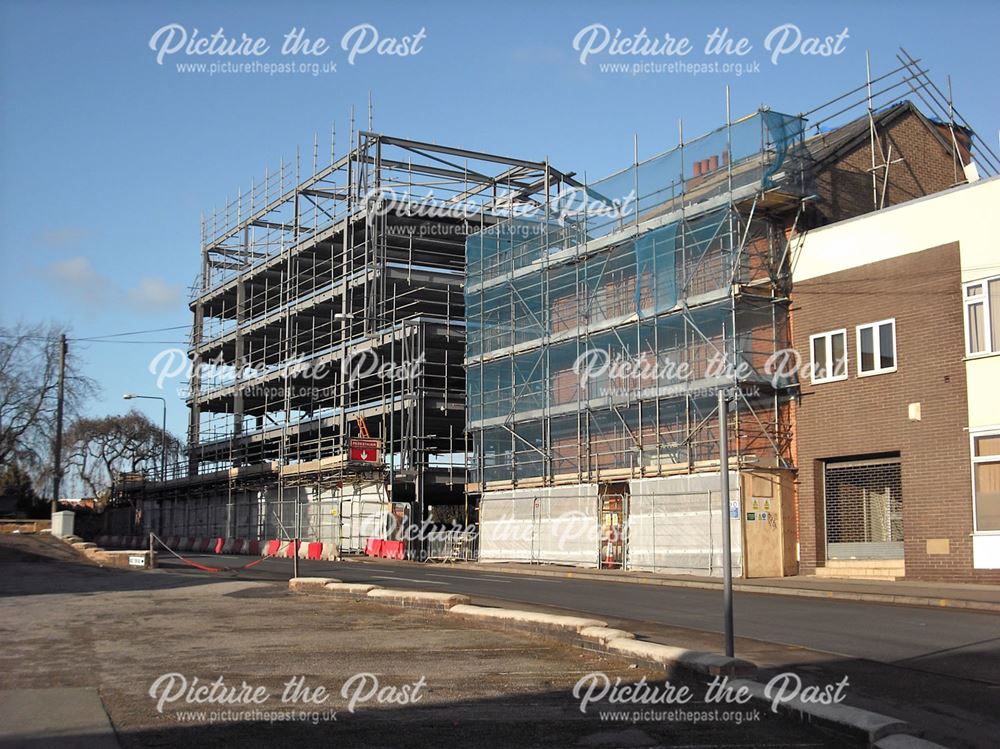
(365, 450)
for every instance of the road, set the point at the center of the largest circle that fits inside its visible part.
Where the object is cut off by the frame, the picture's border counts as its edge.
(85, 648)
(918, 638)
(941, 666)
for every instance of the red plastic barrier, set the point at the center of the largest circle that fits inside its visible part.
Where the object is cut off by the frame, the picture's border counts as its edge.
(374, 547)
(293, 548)
(252, 548)
(272, 547)
(314, 551)
(217, 546)
(237, 547)
(392, 549)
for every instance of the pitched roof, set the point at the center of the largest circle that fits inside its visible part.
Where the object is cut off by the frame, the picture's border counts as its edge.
(827, 146)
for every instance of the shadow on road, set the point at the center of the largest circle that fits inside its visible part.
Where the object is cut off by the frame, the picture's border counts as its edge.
(70, 572)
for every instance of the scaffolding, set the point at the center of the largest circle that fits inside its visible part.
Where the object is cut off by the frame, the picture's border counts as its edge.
(602, 329)
(329, 308)
(602, 324)
(497, 324)
(600, 332)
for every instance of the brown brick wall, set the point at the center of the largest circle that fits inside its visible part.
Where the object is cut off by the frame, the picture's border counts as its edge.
(927, 166)
(868, 415)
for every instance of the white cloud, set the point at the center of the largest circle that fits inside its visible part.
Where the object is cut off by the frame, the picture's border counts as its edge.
(153, 291)
(77, 278)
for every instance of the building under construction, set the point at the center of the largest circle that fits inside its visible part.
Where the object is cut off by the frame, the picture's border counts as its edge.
(418, 326)
(601, 332)
(327, 400)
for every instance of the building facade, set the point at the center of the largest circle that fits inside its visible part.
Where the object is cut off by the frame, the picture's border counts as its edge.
(597, 348)
(897, 438)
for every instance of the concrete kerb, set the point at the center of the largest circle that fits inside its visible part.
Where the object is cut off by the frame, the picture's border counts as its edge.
(859, 724)
(604, 634)
(906, 741)
(874, 729)
(311, 583)
(529, 619)
(349, 590)
(418, 598)
(104, 558)
(669, 657)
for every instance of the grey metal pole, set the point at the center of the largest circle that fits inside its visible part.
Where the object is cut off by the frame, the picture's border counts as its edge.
(295, 541)
(57, 447)
(163, 443)
(727, 551)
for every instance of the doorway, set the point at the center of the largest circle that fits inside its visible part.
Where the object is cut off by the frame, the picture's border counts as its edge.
(863, 502)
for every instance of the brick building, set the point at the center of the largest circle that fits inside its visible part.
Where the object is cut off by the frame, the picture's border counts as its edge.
(897, 390)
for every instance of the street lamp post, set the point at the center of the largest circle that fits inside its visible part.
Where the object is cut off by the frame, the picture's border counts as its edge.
(727, 549)
(163, 433)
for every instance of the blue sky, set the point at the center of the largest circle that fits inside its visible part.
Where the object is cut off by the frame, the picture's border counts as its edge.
(108, 159)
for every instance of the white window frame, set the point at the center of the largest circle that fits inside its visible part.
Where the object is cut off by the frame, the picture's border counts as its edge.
(878, 347)
(989, 432)
(983, 299)
(828, 335)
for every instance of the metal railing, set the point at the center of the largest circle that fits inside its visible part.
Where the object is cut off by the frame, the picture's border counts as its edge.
(452, 546)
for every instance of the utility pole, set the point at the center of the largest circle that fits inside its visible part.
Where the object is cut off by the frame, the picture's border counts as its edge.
(727, 549)
(57, 447)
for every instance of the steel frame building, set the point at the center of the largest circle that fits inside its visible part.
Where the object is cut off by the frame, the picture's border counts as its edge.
(329, 307)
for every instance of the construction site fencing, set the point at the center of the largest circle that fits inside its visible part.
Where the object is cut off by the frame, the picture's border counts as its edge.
(452, 545)
(347, 516)
(556, 525)
(675, 525)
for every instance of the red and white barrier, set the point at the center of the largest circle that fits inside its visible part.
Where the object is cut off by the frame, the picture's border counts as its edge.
(275, 547)
(377, 547)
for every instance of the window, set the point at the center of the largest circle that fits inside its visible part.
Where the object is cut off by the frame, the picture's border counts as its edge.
(876, 348)
(829, 356)
(982, 316)
(986, 481)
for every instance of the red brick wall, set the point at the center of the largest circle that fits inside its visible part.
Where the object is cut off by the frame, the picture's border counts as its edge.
(927, 166)
(868, 415)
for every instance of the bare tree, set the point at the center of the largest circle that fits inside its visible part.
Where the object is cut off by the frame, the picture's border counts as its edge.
(29, 376)
(99, 449)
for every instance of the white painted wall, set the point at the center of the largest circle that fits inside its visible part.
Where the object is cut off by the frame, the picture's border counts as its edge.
(966, 214)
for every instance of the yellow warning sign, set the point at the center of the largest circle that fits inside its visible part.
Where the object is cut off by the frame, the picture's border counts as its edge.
(767, 504)
(755, 505)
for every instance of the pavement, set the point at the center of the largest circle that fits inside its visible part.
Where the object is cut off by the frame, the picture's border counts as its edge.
(26, 719)
(935, 667)
(83, 644)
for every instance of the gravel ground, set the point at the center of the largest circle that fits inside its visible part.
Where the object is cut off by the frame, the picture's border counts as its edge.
(68, 623)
